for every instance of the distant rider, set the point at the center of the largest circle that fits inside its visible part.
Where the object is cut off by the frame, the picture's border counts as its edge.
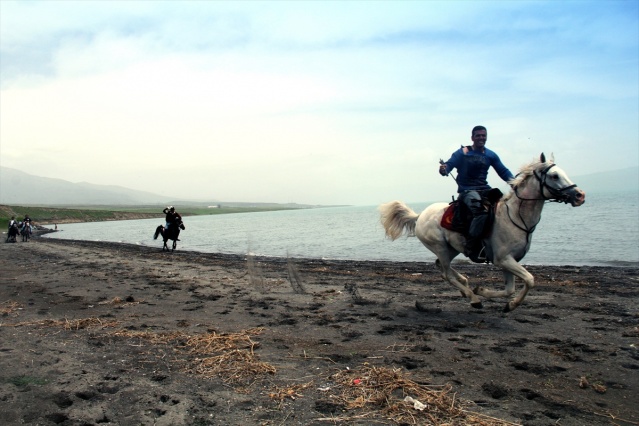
(172, 217)
(14, 229)
(472, 163)
(26, 223)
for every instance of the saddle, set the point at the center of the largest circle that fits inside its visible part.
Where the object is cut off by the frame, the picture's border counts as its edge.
(457, 217)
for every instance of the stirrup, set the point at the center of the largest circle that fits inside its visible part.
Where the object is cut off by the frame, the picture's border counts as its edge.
(481, 256)
(477, 256)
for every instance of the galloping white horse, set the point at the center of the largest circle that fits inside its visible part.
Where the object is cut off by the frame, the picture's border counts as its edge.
(516, 216)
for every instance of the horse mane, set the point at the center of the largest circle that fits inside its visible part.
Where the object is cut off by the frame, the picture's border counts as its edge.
(525, 172)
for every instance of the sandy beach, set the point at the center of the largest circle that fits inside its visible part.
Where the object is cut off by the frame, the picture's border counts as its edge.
(113, 334)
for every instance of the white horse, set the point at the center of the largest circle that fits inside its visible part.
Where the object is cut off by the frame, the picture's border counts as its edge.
(516, 216)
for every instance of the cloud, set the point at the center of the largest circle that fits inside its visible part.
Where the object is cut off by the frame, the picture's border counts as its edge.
(319, 102)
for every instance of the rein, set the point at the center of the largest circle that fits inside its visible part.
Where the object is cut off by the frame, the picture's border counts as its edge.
(528, 231)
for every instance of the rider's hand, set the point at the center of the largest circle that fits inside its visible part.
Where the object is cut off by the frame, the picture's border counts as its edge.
(442, 170)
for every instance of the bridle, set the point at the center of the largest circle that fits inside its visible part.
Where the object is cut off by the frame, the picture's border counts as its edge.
(557, 196)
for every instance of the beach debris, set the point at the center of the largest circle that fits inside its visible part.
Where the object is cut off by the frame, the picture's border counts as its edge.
(290, 392)
(599, 388)
(417, 405)
(376, 395)
(9, 307)
(583, 382)
(76, 324)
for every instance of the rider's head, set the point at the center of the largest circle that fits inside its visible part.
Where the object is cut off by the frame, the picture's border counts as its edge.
(172, 208)
(479, 136)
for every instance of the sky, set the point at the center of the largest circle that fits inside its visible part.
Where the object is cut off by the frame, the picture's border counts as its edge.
(312, 102)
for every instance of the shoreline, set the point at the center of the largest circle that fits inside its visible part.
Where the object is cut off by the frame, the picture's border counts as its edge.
(460, 260)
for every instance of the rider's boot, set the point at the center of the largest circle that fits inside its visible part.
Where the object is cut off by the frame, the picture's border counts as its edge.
(474, 247)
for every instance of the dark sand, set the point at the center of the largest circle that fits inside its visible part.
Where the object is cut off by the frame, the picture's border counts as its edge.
(111, 334)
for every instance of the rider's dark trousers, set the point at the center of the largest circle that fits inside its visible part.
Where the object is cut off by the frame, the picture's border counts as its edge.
(472, 200)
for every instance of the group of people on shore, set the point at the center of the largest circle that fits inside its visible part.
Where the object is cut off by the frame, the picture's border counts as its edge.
(19, 227)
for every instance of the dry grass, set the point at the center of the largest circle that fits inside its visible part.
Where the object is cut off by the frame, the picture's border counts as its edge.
(117, 301)
(152, 337)
(9, 307)
(235, 367)
(229, 357)
(388, 393)
(375, 394)
(77, 324)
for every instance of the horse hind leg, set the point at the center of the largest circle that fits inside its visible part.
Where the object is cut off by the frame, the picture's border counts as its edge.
(459, 281)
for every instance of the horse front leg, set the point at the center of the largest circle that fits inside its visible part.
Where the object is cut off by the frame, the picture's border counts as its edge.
(509, 289)
(514, 269)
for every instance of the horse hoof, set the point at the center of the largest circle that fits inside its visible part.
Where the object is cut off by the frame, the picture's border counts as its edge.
(477, 305)
(508, 307)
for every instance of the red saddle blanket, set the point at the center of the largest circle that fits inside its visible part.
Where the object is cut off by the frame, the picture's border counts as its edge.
(447, 218)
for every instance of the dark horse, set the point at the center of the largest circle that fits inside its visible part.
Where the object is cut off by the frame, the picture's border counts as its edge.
(172, 234)
(13, 233)
(26, 231)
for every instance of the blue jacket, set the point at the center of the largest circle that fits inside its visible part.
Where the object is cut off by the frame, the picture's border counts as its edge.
(472, 168)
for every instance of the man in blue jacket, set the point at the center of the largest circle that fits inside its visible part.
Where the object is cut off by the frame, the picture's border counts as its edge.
(472, 163)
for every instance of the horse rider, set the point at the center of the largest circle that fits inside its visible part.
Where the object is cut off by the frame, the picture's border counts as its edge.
(172, 217)
(26, 223)
(12, 221)
(472, 163)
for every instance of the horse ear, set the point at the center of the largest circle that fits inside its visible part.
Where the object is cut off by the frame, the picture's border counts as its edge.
(542, 158)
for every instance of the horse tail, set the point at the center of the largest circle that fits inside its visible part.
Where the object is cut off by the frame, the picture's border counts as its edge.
(397, 219)
(158, 231)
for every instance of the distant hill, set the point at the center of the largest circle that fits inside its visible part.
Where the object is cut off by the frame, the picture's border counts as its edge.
(19, 188)
(614, 181)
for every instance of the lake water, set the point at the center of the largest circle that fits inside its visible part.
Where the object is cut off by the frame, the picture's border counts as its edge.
(604, 231)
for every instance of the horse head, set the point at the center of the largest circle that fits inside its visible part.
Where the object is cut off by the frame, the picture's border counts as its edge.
(553, 183)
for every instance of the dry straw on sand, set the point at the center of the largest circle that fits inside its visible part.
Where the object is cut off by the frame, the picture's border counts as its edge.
(380, 392)
(8, 308)
(366, 393)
